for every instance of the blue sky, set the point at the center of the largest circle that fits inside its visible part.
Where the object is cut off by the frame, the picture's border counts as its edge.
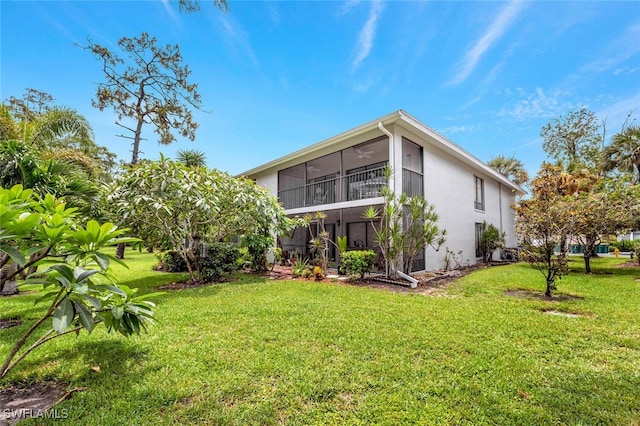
(278, 76)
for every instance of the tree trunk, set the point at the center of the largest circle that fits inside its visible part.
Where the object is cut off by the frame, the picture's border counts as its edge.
(587, 263)
(120, 251)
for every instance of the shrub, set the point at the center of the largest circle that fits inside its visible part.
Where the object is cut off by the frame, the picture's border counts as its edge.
(358, 262)
(317, 273)
(221, 259)
(300, 268)
(171, 261)
(636, 250)
(257, 247)
(491, 239)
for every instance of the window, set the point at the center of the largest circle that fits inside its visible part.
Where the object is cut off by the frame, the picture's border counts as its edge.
(479, 202)
(478, 235)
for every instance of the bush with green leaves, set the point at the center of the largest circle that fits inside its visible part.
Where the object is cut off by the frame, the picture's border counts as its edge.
(171, 261)
(636, 250)
(491, 239)
(221, 259)
(358, 262)
(44, 239)
(257, 247)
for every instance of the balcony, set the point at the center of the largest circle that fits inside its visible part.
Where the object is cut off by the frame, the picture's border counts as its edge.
(354, 186)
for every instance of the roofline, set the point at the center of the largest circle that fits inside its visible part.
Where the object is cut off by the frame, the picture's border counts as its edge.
(460, 152)
(399, 115)
(387, 119)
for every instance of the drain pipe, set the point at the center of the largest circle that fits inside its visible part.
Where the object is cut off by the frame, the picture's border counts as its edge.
(393, 158)
(393, 151)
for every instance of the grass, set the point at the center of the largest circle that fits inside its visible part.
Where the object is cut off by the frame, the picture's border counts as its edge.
(299, 352)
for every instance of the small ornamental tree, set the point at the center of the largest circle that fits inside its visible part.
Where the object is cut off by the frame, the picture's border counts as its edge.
(185, 208)
(45, 234)
(320, 241)
(542, 223)
(405, 226)
(491, 239)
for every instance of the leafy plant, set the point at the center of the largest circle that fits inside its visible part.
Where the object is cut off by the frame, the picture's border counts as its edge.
(405, 226)
(298, 269)
(358, 262)
(317, 273)
(342, 243)
(171, 261)
(80, 293)
(257, 247)
(452, 260)
(220, 260)
(491, 239)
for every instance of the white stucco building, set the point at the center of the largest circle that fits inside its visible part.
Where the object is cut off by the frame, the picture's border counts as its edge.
(343, 175)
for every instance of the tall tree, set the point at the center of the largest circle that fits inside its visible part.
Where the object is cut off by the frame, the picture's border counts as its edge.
(33, 102)
(55, 131)
(624, 153)
(573, 139)
(150, 87)
(510, 167)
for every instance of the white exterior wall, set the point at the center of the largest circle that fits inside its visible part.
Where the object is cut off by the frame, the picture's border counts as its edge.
(270, 182)
(449, 185)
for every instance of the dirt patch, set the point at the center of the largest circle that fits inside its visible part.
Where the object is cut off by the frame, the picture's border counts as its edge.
(564, 314)
(528, 294)
(9, 322)
(32, 400)
(629, 264)
(280, 273)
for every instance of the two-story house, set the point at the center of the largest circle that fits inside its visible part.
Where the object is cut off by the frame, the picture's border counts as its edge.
(344, 174)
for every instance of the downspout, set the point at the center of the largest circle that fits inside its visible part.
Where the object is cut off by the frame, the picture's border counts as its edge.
(393, 150)
(391, 160)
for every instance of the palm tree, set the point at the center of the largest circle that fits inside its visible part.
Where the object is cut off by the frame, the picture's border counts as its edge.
(24, 165)
(511, 168)
(624, 153)
(192, 158)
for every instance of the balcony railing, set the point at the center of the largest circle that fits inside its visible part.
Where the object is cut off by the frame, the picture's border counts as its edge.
(412, 183)
(354, 186)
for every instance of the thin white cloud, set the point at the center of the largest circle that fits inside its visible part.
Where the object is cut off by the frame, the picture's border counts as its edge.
(617, 51)
(494, 33)
(537, 105)
(172, 13)
(626, 70)
(616, 113)
(238, 38)
(348, 6)
(367, 34)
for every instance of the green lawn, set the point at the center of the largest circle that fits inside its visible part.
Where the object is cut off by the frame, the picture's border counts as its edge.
(300, 352)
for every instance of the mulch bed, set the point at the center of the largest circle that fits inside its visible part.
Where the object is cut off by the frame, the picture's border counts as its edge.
(30, 400)
(630, 264)
(428, 281)
(9, 322)
(529, 294)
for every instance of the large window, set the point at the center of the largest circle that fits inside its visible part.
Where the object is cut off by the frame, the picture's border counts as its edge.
(479, 201)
